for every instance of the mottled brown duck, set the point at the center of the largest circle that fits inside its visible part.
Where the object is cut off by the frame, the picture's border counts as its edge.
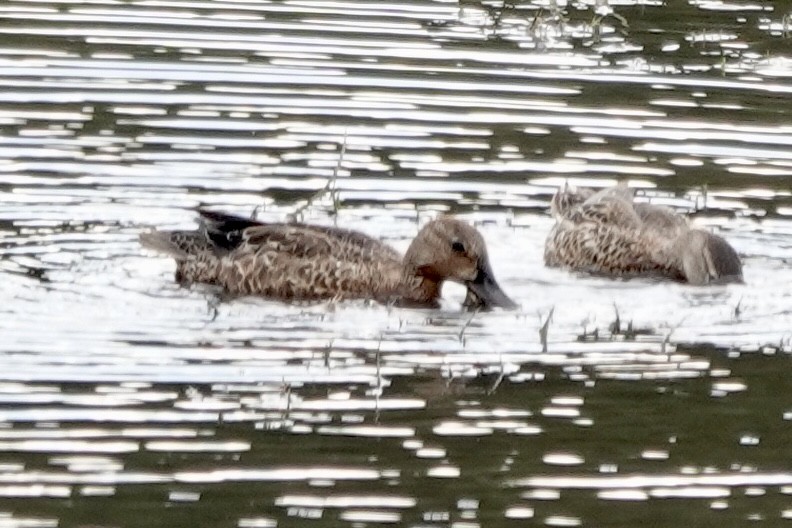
(300, 262)
(606, 232)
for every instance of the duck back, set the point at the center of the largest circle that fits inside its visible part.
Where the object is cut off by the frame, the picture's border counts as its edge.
(284, 260)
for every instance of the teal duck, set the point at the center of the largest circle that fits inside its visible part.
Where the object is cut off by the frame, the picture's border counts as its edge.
(300, 262)
(606, 232)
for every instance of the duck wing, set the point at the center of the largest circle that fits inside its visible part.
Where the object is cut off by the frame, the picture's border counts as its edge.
(289, 261)
(240, 234)
(660, 220)
(301, 262)
(298, 261)
(609, 207)
(602, 248)
(605, 234)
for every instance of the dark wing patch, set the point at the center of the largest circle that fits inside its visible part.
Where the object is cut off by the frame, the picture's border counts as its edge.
(224, 222)
(225, 231)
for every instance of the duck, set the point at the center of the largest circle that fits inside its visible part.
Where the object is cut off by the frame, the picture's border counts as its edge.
(606, 232)
(303, 262)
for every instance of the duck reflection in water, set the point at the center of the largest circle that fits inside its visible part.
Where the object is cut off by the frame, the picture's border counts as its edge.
(299, 262)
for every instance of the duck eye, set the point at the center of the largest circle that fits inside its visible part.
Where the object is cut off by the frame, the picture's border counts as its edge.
(458, 246)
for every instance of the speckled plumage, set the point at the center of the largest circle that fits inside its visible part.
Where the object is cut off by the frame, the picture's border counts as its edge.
(302, 262)
(606, 232)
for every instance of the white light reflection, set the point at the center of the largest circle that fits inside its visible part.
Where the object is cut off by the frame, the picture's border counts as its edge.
(346, 501)
(719, 480)
(562, 459)
(519, 512)
(563, 521)
(364, 516)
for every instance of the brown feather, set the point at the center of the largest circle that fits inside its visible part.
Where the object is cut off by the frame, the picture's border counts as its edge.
(606, 232)
(304, 262)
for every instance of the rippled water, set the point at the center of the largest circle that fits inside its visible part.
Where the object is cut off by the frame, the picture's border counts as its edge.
(129, 401)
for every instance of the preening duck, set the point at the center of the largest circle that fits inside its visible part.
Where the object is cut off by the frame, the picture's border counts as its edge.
(607, 232)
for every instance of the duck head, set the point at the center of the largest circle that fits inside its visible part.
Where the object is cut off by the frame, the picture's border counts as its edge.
(706, 258)
(449, 249)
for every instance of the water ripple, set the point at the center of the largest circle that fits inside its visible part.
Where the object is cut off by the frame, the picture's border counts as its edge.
(120, 389)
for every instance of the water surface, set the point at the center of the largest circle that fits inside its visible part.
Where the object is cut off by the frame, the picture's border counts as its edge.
(127, 400)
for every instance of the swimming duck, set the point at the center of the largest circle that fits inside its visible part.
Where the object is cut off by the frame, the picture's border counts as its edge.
(606, 232)
(300, 262)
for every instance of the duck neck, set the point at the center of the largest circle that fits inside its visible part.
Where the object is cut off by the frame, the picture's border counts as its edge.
(419, 289)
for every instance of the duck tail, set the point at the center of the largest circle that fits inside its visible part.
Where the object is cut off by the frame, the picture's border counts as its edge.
(564, 200)
(224, 222)
(181, 245)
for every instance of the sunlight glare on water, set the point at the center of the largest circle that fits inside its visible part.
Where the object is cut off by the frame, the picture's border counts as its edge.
(121, 390)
